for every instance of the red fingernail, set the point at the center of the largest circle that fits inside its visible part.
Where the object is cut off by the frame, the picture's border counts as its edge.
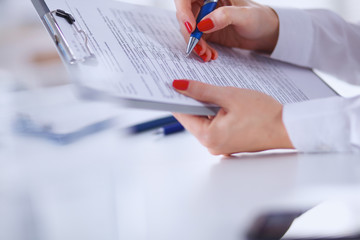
(181, 85)
(204, 57)
(197, 49)
(205, 25)
(213, 56)
(188, 27)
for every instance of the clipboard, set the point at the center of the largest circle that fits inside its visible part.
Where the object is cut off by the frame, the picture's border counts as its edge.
(82, 53)
(50, 20)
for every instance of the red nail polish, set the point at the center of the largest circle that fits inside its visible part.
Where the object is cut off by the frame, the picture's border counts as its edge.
(188, 27)
(205, 25)
(197, 49)
(181, 85)
(203, 57)
(213, 56)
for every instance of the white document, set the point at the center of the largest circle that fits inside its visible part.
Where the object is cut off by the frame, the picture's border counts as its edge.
(140, 51)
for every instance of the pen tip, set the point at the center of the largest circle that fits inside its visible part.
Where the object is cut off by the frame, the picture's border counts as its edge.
(191, 45)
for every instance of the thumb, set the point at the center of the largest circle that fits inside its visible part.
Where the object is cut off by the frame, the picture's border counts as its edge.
(201, 91)
(223, 17)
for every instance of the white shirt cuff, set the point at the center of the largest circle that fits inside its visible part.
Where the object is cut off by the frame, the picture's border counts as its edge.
(323, 125)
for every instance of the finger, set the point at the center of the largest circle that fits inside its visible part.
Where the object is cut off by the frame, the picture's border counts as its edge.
(225, 3)
(203, 92)
(205, 51)
(196, 6)
(214, 54)
(185, 14)
(233, 3)
(222, 17)
(201, 47)
(185, 34)
(207, 55)
(194, 124)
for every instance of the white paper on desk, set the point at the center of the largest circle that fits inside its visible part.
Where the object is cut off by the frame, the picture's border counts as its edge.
(141, 51)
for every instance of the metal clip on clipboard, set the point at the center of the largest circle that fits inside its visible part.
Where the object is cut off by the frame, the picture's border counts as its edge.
(60, 40)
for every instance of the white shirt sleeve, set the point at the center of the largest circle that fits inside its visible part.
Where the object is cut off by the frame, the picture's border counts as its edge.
(322, 40)
(324, 125)
(319, 39)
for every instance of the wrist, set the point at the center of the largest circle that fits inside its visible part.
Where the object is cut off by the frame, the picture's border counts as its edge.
(273, 29)
(270, 25)
(274, 34)
(284, 139)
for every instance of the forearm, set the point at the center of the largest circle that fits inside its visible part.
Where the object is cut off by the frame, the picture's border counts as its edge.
(319, 39)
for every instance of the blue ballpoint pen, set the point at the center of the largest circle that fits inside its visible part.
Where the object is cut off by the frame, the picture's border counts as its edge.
(170, 129)
(208, 7)
(145, 126)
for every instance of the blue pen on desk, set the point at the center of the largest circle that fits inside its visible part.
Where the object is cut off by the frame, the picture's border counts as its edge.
(145, 126)
(170, 129)
(208, 7)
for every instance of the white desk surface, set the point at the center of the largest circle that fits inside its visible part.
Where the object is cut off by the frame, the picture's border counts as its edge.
(111, 186)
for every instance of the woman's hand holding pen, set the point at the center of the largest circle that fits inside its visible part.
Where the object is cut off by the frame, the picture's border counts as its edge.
(248, 120)
(235, 23)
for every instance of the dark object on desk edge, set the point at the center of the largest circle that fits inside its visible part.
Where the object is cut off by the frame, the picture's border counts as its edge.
(273, 226)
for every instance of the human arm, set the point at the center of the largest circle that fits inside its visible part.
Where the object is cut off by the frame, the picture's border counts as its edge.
(319, 39)
(324, 125)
